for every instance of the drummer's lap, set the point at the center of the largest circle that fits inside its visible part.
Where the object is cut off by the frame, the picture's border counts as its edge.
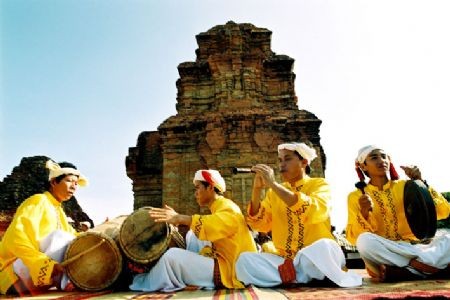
(186, 258)
(437, 252)
(380, 250)
(194, 244)
(176, 269)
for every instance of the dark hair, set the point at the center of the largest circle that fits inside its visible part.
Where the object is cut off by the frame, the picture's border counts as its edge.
(308, 168)
(58, 179)
(206, 184)
(64, 164)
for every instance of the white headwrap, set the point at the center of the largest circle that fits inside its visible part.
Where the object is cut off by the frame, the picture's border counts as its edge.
(304, 150)
(55, 170)
(213, 177)
(364, 151)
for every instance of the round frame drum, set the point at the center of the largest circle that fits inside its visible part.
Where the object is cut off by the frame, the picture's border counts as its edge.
(144, 241)
(99, 266)
(420, 210)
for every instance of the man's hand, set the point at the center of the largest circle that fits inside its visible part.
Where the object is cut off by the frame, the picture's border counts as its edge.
(265, 176)
(412, 172)
(366, 205)
(165, 214)
(258, 182)
(169, 215)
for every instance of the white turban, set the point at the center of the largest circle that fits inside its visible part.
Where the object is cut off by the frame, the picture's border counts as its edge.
(213, 177)
(55, 170)
(304, 150)
(364, 151)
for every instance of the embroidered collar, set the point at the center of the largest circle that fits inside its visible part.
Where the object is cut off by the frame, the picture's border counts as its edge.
(299, 183)
(386, 186)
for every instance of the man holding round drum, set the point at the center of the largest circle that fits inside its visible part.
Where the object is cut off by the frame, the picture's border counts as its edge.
(378, 224)
(224, 228)
(297, 213)
(35, 242)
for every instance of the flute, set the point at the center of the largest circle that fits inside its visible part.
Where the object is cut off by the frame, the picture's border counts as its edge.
(237, 170)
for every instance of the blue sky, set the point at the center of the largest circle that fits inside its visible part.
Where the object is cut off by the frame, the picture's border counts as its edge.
(81, 79)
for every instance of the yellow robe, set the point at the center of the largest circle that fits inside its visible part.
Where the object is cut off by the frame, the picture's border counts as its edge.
(300, 225)
(388, 217)
(226, 229)
(35, 218)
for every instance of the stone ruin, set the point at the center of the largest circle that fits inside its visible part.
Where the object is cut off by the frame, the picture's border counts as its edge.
(235, 104)
(27, 179)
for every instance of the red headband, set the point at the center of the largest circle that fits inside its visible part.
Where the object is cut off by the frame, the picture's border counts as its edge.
(208, 177)
(359, 172)
(392, 172)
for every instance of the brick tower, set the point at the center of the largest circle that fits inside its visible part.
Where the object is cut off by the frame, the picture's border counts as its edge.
(235, 104)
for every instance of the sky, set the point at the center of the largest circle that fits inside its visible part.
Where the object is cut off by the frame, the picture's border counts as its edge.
(80, 79)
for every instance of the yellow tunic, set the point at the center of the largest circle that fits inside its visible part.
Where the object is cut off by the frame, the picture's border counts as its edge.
(388, 217)
(226, 229)
(300, 225)
(35, 218)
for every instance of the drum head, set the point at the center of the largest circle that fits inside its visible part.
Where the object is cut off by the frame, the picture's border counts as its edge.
(419, 209)
(96, 269)
(143, 240)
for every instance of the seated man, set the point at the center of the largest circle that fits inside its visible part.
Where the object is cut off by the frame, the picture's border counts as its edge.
(224, 228)
(36, 240)
(297, 214)
(379, 228)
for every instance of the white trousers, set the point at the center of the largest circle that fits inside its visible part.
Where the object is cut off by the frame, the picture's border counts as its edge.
(193, 244)
(54, 246)
(178, 268)
(322, 258)
(376, 250)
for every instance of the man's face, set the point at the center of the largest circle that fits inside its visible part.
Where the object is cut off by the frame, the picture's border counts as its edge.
(290, 165)
(203, 194)
(376, 163)
(64, 190)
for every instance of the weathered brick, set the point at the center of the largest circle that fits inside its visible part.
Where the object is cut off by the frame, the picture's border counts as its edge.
(235, 104)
